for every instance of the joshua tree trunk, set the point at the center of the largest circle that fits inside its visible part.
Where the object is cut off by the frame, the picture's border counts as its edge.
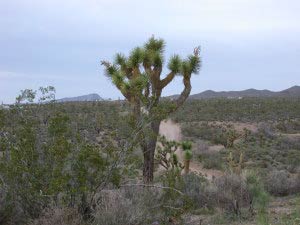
(186, 166)
(187, 153)
(149, 146)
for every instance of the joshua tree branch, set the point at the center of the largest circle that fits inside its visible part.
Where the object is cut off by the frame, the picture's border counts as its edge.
(126, 94)
(184, 94)
(164, 82)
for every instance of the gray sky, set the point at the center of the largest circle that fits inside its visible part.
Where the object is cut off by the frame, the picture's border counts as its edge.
(245, 43)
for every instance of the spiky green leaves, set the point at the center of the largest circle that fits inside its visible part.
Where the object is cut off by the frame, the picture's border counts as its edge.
(125, 87)
(117, 78)
(153, 58)
(110, 70)
(175, 64)
(194, 63)
(156, 45)
(186, 145)
(187, 150)
(139, 83)
(129, 73)
(120, 59)
(157, 59)
(188, 154)
(133, 86)
(154, 49)
(175, 159)
(191, 65)
(136, 57)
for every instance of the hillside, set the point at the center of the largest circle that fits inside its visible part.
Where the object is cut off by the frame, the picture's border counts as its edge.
(82, 98)
(290, 92)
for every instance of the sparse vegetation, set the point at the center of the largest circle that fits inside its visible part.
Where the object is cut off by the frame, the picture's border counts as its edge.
(78, 163)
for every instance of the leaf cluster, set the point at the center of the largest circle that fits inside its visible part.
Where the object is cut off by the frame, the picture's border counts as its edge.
(142, 68)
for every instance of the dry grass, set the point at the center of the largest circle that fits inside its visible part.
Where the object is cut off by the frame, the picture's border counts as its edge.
(59, 216)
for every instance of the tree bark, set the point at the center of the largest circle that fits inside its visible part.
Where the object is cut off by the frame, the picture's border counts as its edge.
(186, 166)
(149, 146)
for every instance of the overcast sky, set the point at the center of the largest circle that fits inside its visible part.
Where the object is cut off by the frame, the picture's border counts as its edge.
(245, 43)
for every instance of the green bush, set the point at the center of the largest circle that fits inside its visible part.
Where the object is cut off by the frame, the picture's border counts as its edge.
(50, 155)
(259, 197)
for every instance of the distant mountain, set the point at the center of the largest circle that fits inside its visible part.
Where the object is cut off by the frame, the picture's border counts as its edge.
(82, 98)
(290, 92)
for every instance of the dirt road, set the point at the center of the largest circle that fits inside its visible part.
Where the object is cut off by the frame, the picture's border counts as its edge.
(172, 131)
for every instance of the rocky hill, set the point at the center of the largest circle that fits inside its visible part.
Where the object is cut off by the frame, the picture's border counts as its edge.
(82, 98)
(290, 92)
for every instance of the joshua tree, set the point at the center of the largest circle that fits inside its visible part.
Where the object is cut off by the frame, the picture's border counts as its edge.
(166, 154)
(235, 167)
(138, 77)
(187, 152)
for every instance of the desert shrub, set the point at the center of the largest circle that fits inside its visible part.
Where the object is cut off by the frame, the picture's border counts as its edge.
(292, 218)
(132, 206)
(232, 193)
(49, 154)
(281, 183)
(59, 216)
(277, 183)
(286, 143)
(212, 160)
(114, 209)
(241, 195)
(197, 189)
(259, 197)
(278, 154)
(201, 146)
(201, 130)
(266, 129)
(245, 110)
(6, 208)
(59, 170)
(295, 184)
(293, 161)
(223, 134)
(13, 211)
(288, 126)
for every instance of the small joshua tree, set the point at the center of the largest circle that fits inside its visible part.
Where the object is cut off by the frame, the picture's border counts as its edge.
(235, 167)
(166, 154)
(187, 152)
(138, 77)
(232, 136)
